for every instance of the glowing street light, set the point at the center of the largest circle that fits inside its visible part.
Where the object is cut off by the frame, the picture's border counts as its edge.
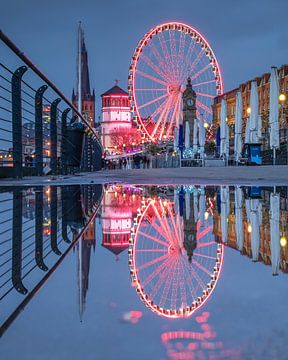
(283, 241)
(248, 110)
(206, 125)
(282, 98)
(249, 228)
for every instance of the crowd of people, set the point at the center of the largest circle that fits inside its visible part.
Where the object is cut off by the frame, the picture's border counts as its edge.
(137, 161)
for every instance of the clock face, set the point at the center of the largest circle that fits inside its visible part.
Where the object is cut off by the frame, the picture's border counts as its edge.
(190, 102)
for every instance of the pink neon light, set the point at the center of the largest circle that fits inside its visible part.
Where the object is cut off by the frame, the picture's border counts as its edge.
(172, 69)
(139, 287)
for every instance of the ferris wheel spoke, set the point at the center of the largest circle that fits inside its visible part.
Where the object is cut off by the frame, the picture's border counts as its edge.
(193, 274)
(200, 72)
(204, 256)
(151, 250)
(160, 119)
(167, 225)
(200, 245)
(181, 53)
(175, 286)
(155, 273)
(186, 59)
(166, 55)
(158, 110)
(153, 238)
(160, 60)
(160, 230)
(166, 230)
(173, 53)
(155, 68)
(182, 286)
(204, 107)
(204, 232)
(172, 217)
(150, 77)
(167, 283)
(204, 83)
(151, 89)
(152, 262)
(152, 101)
(173, 118)
(165, 118)
(196, 61)
(205, 95)
(201, 267)
(164, 273)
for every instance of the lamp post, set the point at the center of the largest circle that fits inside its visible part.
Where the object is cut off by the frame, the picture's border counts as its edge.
(282, 100)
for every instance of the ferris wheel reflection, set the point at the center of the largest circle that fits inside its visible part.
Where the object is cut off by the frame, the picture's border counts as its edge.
(174, 260)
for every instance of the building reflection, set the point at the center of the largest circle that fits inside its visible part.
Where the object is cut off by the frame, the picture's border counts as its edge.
(257, 235)
(119, 207)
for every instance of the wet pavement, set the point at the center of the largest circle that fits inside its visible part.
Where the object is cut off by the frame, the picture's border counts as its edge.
(121, 271)
(232, 175)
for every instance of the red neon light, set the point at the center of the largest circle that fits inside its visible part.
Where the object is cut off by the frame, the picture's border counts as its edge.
(170, 70)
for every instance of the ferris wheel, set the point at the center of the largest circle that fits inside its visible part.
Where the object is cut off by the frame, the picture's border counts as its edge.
(161, 64)
(166, 281)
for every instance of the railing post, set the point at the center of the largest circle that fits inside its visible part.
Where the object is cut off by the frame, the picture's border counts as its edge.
(17, 243)
(64, 141)
(39, 129)
(53, 136)
(39, 229)
(54, 245)
(64, 214)
(17, 121)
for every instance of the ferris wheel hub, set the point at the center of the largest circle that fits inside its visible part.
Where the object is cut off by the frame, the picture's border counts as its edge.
(174, 89)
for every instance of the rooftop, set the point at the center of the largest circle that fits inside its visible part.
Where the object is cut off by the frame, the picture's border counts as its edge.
(115, 90)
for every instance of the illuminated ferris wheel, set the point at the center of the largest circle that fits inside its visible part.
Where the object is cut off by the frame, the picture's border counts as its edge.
(162, 62)
(165, 279)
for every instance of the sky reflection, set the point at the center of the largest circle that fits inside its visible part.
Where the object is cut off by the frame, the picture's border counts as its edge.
(162, 245)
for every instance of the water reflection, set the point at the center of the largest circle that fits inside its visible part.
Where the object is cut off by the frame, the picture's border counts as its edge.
(175, 238)
(174, 261)
(40, 226)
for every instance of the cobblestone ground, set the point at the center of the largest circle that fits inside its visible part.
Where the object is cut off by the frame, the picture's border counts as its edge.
(262, 175)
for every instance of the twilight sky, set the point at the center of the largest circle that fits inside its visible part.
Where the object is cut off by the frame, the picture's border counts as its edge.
(247, 36)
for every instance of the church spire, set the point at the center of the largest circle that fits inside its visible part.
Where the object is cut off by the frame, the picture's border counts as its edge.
(83, 79)
(85, 83)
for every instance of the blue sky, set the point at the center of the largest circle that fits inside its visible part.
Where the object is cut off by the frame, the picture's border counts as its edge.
(247, 36)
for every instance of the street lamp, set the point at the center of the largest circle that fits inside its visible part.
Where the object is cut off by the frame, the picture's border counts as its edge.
(282, 99)
(283, 241)
(248, 111)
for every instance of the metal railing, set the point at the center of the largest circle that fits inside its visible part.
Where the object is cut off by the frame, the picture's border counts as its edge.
(39, 227)
(41, 131)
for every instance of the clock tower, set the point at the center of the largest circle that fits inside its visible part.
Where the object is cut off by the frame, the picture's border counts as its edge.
(189, 108)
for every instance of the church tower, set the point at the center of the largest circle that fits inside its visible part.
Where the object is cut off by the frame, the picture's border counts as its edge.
(88, 98)
(189, 108)
(90, 151)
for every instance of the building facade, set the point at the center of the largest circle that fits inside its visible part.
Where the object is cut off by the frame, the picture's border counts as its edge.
(116, 115)
(263, 83)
